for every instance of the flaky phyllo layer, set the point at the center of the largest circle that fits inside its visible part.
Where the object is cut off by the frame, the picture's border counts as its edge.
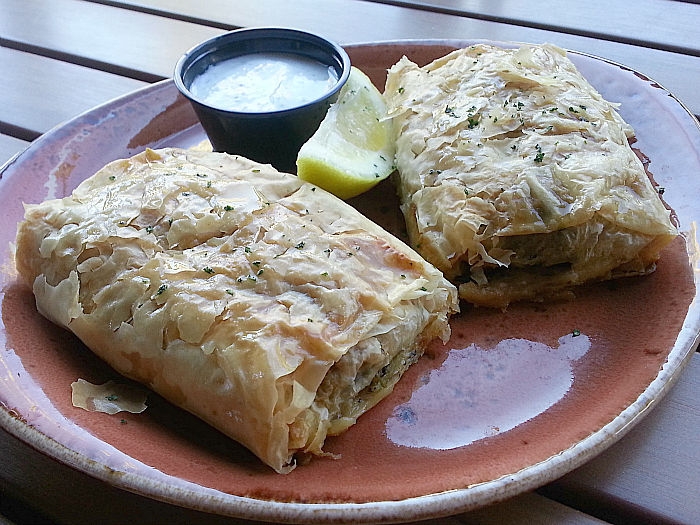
(517, 179)
(260, 303)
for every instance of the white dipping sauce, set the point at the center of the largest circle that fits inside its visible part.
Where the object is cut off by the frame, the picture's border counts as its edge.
(262, 82)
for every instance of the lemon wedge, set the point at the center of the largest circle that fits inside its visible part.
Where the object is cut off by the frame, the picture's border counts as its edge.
(353, 148)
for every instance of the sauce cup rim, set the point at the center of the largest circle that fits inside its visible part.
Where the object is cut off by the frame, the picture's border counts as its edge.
(229, 39)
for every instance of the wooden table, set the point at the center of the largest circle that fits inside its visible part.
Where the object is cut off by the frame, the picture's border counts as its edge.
(59, 58)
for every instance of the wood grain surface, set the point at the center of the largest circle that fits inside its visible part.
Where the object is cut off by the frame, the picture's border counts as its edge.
(38, 93)
(59, 58)
(647, 23)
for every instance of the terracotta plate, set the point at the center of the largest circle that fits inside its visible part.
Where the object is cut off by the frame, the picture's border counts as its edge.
(514, 401)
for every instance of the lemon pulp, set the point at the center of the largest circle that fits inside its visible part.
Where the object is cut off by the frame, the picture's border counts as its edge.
(353, 148)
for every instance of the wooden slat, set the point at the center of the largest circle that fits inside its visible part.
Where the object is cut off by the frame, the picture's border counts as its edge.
(9, 146)
(649, 23)
(38, 93)
(653, 474)
(65, 495)
(527, 509)
(121, 41)
(654, 468)
(361, 21)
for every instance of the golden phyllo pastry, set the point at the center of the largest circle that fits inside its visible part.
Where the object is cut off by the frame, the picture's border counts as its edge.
(259, 302)
(516, 177)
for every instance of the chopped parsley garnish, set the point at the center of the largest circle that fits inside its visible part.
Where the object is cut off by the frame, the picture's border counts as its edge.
(161, 289)
(208, 270)
(576, 333)
(228, 208)
(300, 245)
(540, 156)
(112, 397)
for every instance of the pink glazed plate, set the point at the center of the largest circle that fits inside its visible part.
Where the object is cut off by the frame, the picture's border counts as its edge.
(512, 402)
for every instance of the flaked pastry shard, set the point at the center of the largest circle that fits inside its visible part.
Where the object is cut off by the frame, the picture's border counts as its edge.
(517, 179)
(259, 302)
